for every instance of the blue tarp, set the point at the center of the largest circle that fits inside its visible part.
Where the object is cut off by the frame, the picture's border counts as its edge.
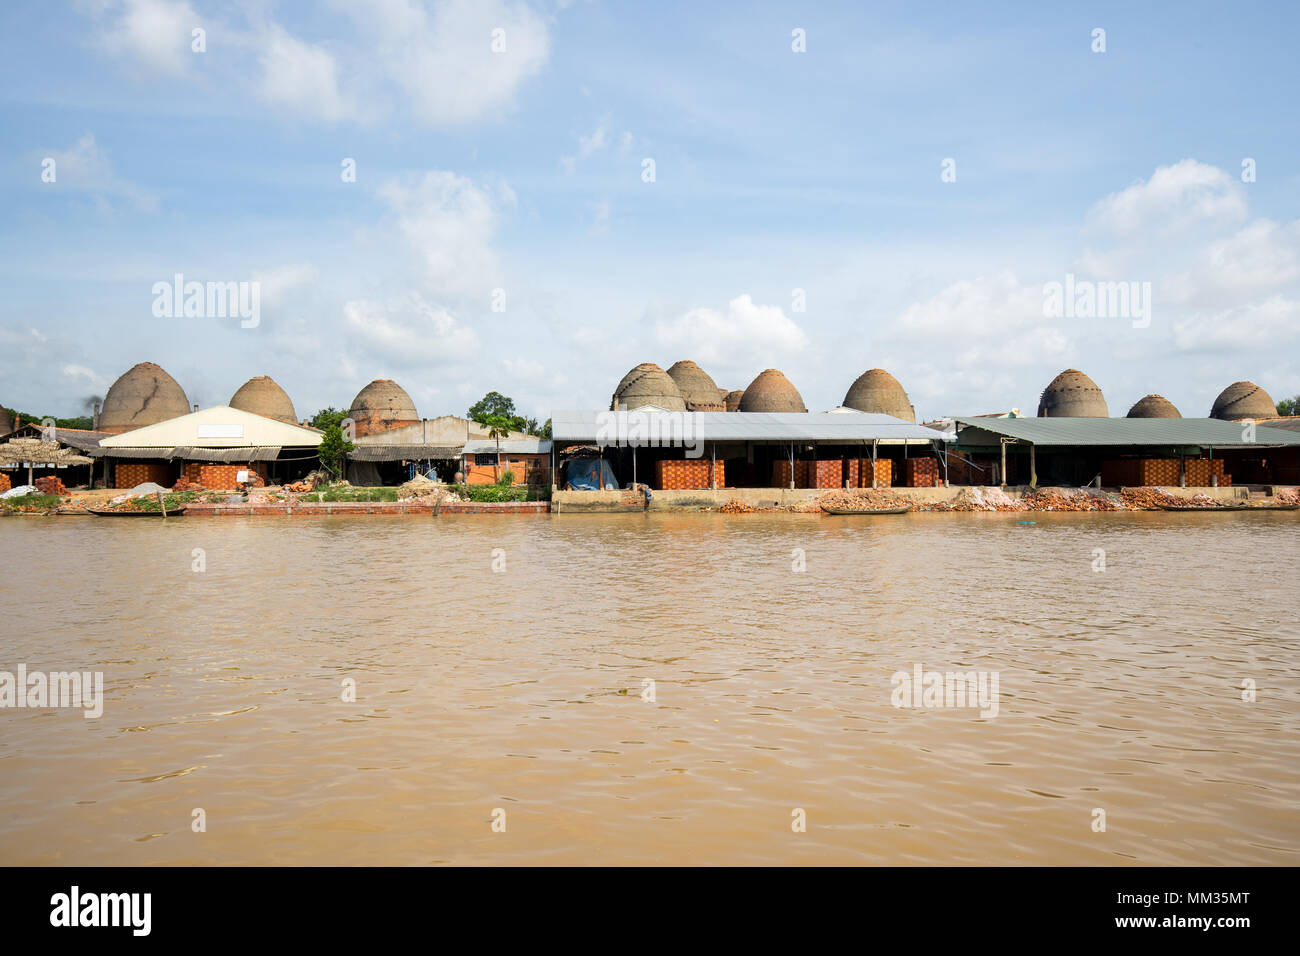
(588, 474)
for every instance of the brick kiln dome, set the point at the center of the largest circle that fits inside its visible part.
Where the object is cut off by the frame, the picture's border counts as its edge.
(879, 392)
(733, 399)
(1153, 406)
(381, 405)
(1243, 400)
(771, 392)
(262, 396)
(144, 395)
(699, 391)
(648, 384)
(6, 422)
(1072, 395)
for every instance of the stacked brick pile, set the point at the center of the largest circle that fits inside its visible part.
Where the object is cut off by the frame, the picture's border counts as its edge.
(1200, 470)
(884, 472)
(5, 484)
(825, 474)
(222, 476)
(184, 484)
(130, 474)
(689, 473)
(50, 485)
(961, 470)
(1157, 472)
(853, 473)
(920, 472)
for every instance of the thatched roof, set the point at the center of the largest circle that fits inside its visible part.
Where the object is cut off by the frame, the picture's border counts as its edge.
(1153, 406)
(262, 396)
(771, 392)
(144, 395)
(381, 405)
(1243, 400)
(1072, 395)
(648, 384)
(699, 391)
(879, 392)
(19, 450)
(733, 399)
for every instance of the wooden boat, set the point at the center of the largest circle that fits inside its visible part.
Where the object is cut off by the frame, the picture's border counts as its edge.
(109, 513)
(1230, 507)
(901, 509)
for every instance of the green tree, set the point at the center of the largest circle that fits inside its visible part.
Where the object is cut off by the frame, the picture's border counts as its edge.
(1289, 406)
(77, 421)
(498, 427)
(334, 449)
(493, 403)
(544, 432)
(327, 417)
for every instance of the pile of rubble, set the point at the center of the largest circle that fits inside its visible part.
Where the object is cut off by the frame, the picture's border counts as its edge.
(736, 507)
(1147, 499)
(853, 498)
(422, 487)
(1068, 499)
(185, 484)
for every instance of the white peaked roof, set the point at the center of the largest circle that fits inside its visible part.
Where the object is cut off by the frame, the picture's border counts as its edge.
(218, 427)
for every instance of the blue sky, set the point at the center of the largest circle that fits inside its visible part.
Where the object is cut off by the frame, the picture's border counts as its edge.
(522, 171)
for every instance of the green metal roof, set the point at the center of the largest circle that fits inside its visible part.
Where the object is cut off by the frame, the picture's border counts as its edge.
(1202, 432)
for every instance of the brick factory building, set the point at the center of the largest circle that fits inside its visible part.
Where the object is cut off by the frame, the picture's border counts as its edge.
(210, 447)
(697, 450)
(1125, 452)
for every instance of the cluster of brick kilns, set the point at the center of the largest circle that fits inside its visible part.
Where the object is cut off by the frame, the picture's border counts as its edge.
(1149, 472)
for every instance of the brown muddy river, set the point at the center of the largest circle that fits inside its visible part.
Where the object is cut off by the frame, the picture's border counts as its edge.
(523, 690)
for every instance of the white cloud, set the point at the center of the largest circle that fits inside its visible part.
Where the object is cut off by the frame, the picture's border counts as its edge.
(989, 320)
(449, 223)
(440, 55)
(1271, 324)
(745, 336)
(1175, 197)
(277, 282)
(436, 56)
(85, 167)
(407, 331)
(600, 218)
(155, 33)
(300, 76)
(1259, 259)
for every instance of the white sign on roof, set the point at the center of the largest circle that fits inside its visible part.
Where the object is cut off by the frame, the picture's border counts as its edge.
(220, 431)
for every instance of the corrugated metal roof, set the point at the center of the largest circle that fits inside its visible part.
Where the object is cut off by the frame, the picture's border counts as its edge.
(529, 446)
(102, 452)
(250, 453)
(246, 453)
(587, 426)
(1200, 432)
(403, 452)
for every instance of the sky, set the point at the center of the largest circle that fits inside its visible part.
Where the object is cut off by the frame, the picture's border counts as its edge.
(548, 193)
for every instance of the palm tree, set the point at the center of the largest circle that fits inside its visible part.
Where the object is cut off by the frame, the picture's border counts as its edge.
(498, 427)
